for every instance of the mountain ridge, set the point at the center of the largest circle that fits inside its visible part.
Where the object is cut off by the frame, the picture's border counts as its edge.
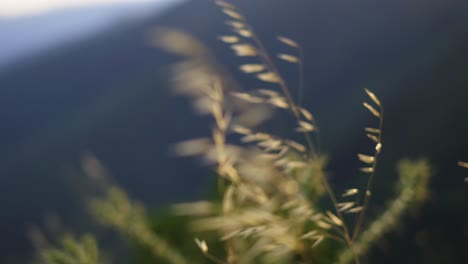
(27, 36)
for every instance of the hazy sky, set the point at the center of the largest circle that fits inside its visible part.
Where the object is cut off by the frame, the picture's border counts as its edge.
(14, 8)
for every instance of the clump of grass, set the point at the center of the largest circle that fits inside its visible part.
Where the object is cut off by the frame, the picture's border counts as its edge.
(412, 190)
(83, 250)
(130, 218)
(269, 210)
(270, 185)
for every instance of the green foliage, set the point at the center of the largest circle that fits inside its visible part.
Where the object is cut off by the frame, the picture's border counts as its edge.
(72, 251)
(412, 191)
(130, 218)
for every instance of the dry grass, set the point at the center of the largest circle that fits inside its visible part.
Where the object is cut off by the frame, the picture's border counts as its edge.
(270, 185)
(464, 165)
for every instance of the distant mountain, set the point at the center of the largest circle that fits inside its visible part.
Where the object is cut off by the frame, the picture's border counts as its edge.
(110, 95)
(27, 35)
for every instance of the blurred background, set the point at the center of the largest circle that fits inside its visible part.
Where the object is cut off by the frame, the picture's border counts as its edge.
(80, 77)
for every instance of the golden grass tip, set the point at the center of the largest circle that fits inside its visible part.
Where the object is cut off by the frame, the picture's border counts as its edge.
(288, 41)
(371, 109)
(202, 245)
(244, 50)
(233, 14)
(288, 58)
(269, 77)
(229, 39)
(373, 97)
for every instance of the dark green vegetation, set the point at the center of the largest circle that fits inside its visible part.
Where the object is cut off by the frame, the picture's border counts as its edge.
(108, 95)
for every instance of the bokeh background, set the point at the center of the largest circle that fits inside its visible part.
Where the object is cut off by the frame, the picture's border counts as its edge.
(81, 77)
